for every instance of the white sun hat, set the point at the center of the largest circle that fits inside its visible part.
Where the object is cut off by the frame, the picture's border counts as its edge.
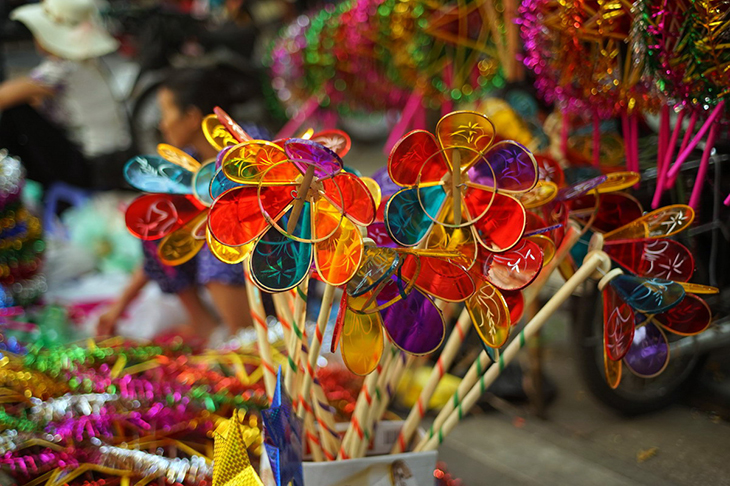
(67, 28)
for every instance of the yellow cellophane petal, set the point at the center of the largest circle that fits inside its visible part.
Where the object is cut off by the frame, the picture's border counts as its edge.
(259, 161)
(490, 314)
(225, 253)
(457, 240)
(618, 181)
(216, 133)
(362, 338)
(182, 245)
(339, 256)
(541, 194)
(178, 157)
(663, 222)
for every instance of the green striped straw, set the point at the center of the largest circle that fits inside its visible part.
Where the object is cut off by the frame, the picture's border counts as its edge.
(593, 261)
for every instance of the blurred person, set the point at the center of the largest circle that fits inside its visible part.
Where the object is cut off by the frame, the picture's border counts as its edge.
(62, 120)
(185, 98)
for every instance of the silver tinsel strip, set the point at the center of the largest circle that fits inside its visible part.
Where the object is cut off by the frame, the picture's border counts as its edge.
(177, 470)
(69, 405)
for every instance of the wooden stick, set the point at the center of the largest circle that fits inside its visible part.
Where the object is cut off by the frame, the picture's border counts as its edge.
(259, 319)
(483, 360)
(311, 435)
(296, 211)
(360, 445)
(296, 337)
(324, 315)
(593, 261)
(455, 183)
(330, 439)
(358, 416)
(461, 329)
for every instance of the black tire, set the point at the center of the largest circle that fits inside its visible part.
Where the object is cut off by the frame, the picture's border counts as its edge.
(635, 395)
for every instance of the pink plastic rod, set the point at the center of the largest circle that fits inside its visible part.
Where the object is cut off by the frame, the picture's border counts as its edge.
(701, 133)
(400, 128)
(661, 179)
(694, 200)
(596, 141)
(669, 180)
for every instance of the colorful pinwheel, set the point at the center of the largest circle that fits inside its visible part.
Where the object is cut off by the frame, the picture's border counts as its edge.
(177, 209)
(294, 204)
(655, 297)
(394, 289)
(461, 180)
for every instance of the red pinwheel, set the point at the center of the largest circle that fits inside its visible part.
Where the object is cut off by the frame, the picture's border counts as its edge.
(461, 180)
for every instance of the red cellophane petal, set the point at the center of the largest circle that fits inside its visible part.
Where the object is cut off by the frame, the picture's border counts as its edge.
(154, 216)
(235, 217)
(417, 153)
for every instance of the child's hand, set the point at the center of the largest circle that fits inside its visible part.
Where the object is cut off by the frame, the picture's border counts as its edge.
(108, 321)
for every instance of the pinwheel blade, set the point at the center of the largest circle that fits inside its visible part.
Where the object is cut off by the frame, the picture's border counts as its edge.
(515, 268)
(362, 340)
(506, 166)
(417, 159)
(407, 222)
(235, 218)
(660, 258)
(648, 295)
(415, 324)
(154, 216)
(150, 173)
(663, 222)
(279, 263)
(649, 353)
(689, 317)
(618, 325)
(339, 256)
(490, 314)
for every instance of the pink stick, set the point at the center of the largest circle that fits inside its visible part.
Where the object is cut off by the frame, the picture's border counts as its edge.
(701, 133)
(662, 174)
(564, 135)
(694, 200)
(627, 145)
(727, 200)
(634, 120)
(287, 131)
(596, 141)
(419, 118)
(670, 181)
(400, 128)
(663, 137)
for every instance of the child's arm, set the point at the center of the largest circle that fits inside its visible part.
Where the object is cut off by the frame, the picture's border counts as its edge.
(108, 320)
(21, 91)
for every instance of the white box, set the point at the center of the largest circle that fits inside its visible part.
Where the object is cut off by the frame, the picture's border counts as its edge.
(377, 469)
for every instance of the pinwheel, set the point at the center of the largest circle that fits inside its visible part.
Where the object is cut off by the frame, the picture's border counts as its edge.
(177, 209)
(303, 186)
(654, 297)
(457, 187)
(394, 289)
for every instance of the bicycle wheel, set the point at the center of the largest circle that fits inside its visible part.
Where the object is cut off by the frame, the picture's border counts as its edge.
(635, 395)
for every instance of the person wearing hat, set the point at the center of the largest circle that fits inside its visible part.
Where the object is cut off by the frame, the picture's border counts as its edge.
(62, 120)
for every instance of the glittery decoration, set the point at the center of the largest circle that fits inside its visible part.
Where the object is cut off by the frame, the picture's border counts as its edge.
(232, 464)
(283, 438)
